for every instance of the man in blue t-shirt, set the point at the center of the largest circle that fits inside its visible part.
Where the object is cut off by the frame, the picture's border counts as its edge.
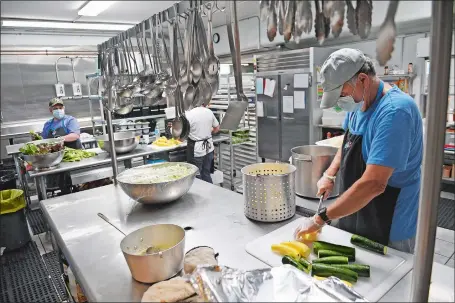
(380, 159)
(66, 127)
(62, 125)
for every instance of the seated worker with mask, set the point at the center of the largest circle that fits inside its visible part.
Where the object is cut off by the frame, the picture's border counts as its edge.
(379, 162)
(67, 127)
(62, 125)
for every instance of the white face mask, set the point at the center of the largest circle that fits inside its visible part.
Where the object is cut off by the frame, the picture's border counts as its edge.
(348, 104)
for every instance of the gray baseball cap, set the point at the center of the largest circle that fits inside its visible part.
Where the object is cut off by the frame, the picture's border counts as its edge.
(339, 68)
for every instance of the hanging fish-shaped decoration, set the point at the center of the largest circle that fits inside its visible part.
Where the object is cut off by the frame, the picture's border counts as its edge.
(319, 25)
(298, 29)
(387, 35)
(363, 13)
(337, 17)
(271, 22)
(326, 19)
(306, 17)
(289, 21)
(350, 16)
(281, 14)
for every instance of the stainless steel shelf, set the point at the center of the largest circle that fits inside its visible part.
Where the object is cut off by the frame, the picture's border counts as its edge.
(132, 118)
(396, 76)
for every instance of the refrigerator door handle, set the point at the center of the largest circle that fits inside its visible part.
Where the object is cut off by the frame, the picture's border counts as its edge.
(272, 117)
(288, 118)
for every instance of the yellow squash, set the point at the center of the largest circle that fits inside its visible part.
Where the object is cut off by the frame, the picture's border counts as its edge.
(311, 237)
(283, 250)
(303, 250)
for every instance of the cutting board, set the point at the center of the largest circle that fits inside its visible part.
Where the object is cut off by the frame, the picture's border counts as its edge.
(385, 271)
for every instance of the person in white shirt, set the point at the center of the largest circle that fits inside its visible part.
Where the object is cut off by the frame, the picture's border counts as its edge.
(203, 124)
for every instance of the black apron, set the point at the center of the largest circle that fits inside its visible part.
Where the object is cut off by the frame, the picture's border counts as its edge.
(61, 180)
(190, 151)
(375, 219)
(60, 132)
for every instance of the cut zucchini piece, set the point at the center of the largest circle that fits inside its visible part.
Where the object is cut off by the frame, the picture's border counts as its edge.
(329, 253)
(345, 250)
(361, 269)
(369, 244)
(301, 264)
(332, 260)
(324, 270)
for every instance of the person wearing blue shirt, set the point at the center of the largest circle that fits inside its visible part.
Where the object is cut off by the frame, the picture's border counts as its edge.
(379, 163)
(62, 125)
(66, 127)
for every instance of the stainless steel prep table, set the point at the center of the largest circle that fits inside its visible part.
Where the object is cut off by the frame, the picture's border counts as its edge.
(92, 247)
(98, 160)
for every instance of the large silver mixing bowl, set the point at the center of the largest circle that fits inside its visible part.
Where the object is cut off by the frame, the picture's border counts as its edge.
(44, 161)
(124, 142)
(156, 193)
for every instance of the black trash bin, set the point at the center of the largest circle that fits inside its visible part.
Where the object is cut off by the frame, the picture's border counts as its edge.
(7, 179)
(14, 231)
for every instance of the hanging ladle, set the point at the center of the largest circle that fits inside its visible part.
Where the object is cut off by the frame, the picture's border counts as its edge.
(150, 250)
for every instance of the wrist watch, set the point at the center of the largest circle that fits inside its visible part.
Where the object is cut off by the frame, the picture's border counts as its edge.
(323, 214)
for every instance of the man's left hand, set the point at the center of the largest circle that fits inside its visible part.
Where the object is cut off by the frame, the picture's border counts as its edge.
(306, 226)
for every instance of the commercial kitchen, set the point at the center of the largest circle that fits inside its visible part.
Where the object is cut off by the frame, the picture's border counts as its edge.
(227, 159)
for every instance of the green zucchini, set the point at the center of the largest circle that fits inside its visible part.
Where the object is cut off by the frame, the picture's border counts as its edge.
(360, 269)
(369, 244)
(324, 270)
(289, 260)
(332, 260)
(345, 250)
(307, 265)
(302, 264)
(329, 253)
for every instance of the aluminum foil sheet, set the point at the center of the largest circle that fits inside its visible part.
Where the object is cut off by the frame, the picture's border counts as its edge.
(278, 284)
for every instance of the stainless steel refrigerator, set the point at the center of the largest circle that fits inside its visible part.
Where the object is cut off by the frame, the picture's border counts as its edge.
(289, 116)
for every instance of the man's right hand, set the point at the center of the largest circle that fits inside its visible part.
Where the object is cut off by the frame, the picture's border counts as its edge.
(325, 186)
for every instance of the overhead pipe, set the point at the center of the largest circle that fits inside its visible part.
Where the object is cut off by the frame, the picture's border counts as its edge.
(40, 54)
(440, 55)
(47, 52)
(70, 58)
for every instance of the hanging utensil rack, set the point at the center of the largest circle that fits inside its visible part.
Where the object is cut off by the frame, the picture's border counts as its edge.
(116, 58)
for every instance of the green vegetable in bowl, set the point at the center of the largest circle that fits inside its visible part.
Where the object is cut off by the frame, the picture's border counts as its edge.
(32, 149)
(29, 149)
(73, 155)
(35, 136)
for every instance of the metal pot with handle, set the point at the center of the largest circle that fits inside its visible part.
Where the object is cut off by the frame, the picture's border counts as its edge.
(311, 162)
(153, 253)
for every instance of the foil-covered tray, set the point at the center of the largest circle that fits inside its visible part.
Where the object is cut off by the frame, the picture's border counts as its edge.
(278, 284)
